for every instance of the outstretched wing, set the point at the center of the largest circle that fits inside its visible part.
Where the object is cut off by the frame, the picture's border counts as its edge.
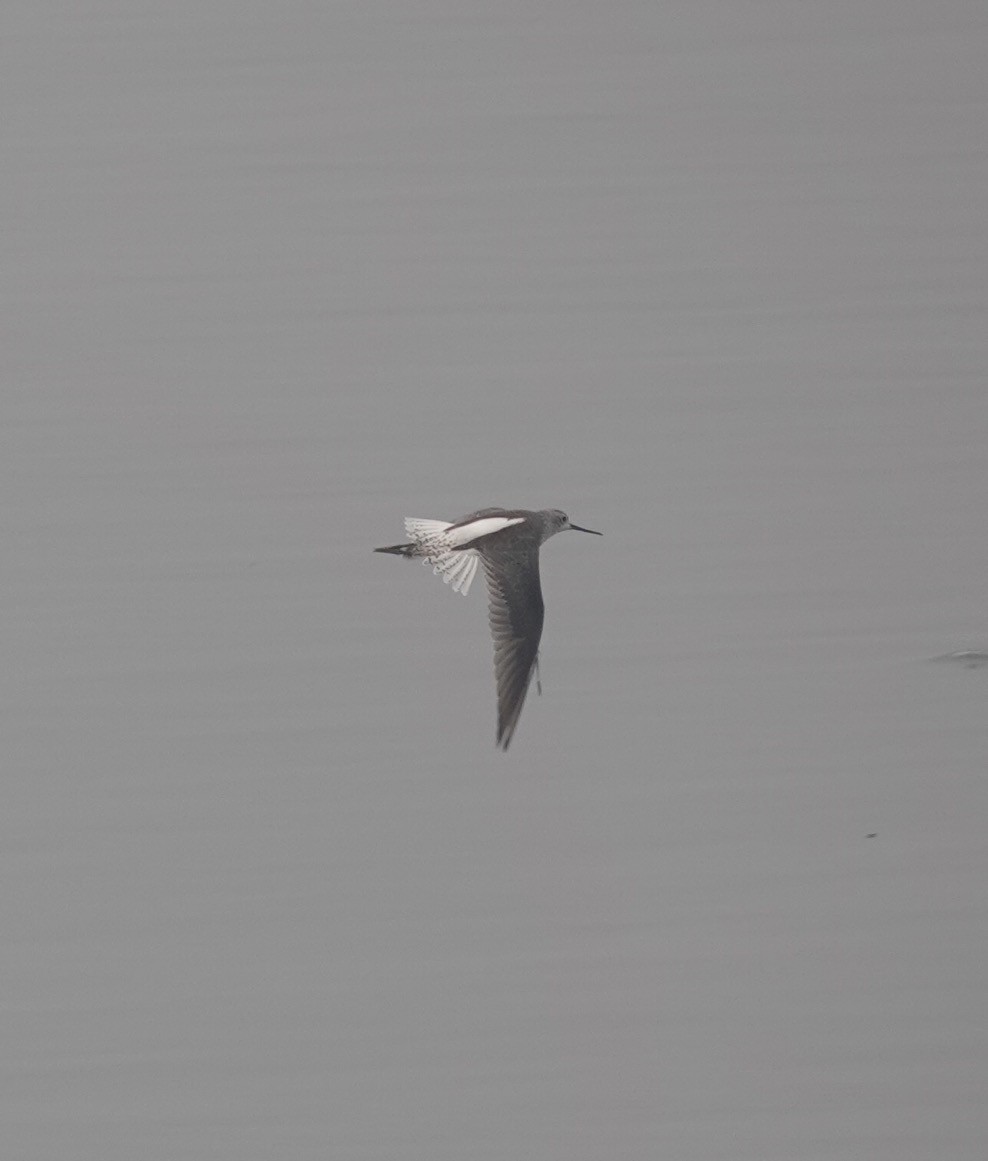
(516, 615)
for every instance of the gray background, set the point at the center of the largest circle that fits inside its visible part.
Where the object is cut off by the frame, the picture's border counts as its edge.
(710, 276)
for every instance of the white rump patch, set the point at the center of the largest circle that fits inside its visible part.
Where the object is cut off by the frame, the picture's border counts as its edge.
(467, 533)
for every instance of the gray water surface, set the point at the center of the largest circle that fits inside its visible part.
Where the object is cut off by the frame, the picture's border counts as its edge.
(709, 276)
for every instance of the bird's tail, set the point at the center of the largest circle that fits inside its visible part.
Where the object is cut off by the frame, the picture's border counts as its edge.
(456, 568)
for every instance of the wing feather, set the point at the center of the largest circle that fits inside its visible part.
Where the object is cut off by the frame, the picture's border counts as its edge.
(516, 614)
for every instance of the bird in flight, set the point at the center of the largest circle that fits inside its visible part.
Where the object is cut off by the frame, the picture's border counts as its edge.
(506, 542)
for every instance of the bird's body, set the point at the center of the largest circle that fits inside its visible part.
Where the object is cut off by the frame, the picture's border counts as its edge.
(506, 541)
